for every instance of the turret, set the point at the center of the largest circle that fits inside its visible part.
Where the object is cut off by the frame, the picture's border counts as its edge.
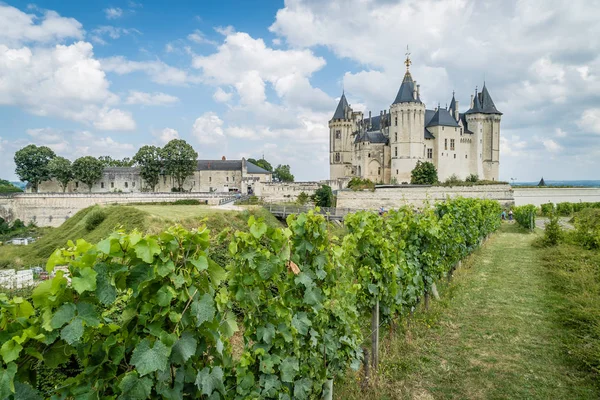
(407, 127)
(341, 127)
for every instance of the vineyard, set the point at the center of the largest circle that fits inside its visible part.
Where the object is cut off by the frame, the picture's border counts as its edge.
(153, 316)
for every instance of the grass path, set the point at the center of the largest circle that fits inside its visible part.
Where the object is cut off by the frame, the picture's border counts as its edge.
(491, 336)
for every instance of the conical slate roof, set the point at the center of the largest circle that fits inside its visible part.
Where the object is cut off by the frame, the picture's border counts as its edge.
(476, 105)
(452, 108)
(442, 118)
(542, 183)
(487, 104)
(340, 111)
(405, 93)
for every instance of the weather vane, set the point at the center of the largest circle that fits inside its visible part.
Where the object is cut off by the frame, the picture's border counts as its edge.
(407, 62)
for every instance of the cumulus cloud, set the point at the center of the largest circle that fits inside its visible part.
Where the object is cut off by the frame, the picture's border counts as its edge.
(114, 120)
(113, 32)
(198, 37)
(167, 134)
(208, 129)
(150, 99)
(222, 96)
(552, 146)
(113, 13)
(158, 71)
(590, 120)
(19, 27)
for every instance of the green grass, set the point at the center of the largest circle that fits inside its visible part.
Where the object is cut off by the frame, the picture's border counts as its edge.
(495, 334)
(177, 212)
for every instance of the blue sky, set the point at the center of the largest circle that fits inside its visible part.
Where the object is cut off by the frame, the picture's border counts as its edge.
(241, 78)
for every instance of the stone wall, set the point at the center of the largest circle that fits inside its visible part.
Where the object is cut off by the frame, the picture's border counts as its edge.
(284, 192)
(52, 209)
(394, 196)
(537, 196)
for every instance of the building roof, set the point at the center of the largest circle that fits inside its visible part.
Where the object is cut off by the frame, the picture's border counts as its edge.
(340, 111)
(463, 118)
(428, 134)
(255, 169)
(219, 165)
(371, 137)
(406, 91)
(452, 109)
(441, 117)
(483, 103)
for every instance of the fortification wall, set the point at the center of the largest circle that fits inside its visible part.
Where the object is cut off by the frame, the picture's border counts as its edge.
(417, 196)
(52, 209)
(537, 196)
(281, 192)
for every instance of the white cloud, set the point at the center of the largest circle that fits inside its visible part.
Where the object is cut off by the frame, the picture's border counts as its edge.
(198, 37)
(158, 71)
(208, 129)
(560, 133)
(150, 99)
(512, 146)
(222, 96)
(113, 13)
(62, 81)
(590, 120)
(240, 132)
(251, 88)
(167, 134)
(19, 27)
(552, 146)
(112, 32)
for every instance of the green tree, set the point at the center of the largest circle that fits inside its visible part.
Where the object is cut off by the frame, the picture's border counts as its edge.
(32, 164)
(88, 170)
(7, 187)
(108, 161)
(282, 174)
(148, 158)
(179, 161)
(61, 170)
(424, 173)
(264, 164)
(323, 197)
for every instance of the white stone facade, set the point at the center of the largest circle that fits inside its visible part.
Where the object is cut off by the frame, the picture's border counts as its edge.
(386, 148)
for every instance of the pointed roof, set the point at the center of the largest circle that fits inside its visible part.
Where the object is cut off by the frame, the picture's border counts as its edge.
(452, 108)
(442, 118)
(542, 183)
(476, 105)
(487, 104)
(406, 91)
(340, 111)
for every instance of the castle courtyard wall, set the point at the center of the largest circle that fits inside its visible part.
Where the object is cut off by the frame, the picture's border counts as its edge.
(537, 196)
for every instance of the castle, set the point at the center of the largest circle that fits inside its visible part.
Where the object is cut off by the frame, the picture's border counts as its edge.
(385, 148)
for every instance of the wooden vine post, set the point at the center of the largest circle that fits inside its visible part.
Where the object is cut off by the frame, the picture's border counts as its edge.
(375, 336)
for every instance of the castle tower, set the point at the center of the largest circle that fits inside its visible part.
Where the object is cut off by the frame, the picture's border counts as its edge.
(407, 128)
(484, 120)
(340, 140)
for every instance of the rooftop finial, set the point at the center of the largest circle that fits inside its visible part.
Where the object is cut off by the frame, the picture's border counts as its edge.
(453, 93)
(407, 62)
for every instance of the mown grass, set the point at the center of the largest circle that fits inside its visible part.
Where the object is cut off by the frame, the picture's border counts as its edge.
(178, 212)
(495, 334)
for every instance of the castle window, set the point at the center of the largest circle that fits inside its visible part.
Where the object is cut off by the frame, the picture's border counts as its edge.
(379, 171)
(454, 155)
(461, 131)
(210, 178)
(112, 185)
(429, 153)
(445, 144)
(396, 172)
(76, 184)
(396, 136)
(395, 152)
(465, 156)
(369, 155)
(396, 121)
(451, 144)
(337, 157)
(338, 134)
(442, 128)
(102, 185)
(126, 185)
(227, 179)
(233, 178)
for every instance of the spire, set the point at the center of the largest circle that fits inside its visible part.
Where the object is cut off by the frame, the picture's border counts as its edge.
(407, 88)
(487, 104)
(476, 104)
(452, 108)
(340, 111)
(407, 62)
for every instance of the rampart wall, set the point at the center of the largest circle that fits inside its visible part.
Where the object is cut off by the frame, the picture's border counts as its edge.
(537, 196)
(52, 209)
(417, 196)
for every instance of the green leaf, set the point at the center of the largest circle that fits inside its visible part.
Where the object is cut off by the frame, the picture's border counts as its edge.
(209, 381)
(72, 332)
(105, 291)
(184, 348)
(25, 392)
(267, 333)
(85, 282)
(301, 322)
(63, 315)
(164, 268)
(289, 368)
(216, 272)
(87, 312)
(201, 263)
(148, 359)
(7, 376)
(146, 249)
(203, 309)
(135, 388)
(272, 384)
(258, 229)
(266, 269)
(164, 296)
(302, 388)
(10, 351)
(313, 296)
(228, 325)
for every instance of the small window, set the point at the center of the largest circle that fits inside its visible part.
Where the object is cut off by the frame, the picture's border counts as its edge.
(461, 131)
(396, 172)
(442, 128)
(451, 144)
(379, 171)
(395, 152)
(102, 185)
(466, 156)
(337, 157)
(454, 155)
(210, 178)
(429, 153)
(338, 134)
(112, 185)
(76, 184)
(396, 121)
(233, 178)
(227, 179)
(126, 185)
(396, 136)
(445, 144)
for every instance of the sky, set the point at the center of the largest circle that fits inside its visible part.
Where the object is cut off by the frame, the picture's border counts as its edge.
(243, 79)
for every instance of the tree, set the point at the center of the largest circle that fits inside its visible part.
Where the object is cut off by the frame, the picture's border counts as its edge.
(323, 197)
(108, 161)
(61, 170)
(424, 173)
(149, 160)
(88, 170)
(264, 164)
(32, 164)
(7, 187)
(179, 160)
(282, 174)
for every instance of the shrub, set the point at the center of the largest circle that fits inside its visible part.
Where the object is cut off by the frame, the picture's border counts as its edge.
(18, 224)
(303, 198)
(564, 209)
(452, 180)
(187, 202)
(587, 223)
(552, 231)
(547, 209)
(472, 178)
(323, 197)
(424, 173)
(94, 219)
(361, 184)
(525, 216)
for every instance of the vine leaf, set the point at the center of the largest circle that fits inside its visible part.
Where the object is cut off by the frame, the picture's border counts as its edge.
(289, 369)
(25, 392)
(184, 348)
(203, 309)
(148, 359)
(258, 229)
(301, 323)
(134, 388)
(86, 281)
(209, 381)
(10, 351)
(72, 332)
(7, 385)
(302, 388)
(63, 315)
(146, 249)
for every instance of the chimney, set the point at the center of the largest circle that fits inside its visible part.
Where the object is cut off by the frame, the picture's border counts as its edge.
(471, 102)
(369, 119)
(456, 113)
(223, 158)
(418, 90)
